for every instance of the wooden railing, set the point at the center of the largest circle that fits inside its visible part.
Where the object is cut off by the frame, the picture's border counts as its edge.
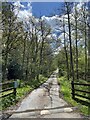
(82, 96)
(8, 88)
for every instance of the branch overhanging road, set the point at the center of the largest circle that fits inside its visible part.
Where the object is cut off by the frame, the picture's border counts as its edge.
(45, 102)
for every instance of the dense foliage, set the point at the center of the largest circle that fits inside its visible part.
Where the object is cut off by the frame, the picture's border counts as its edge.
(26, 50)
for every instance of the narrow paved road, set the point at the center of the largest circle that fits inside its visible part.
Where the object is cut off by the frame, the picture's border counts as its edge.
(46, 97)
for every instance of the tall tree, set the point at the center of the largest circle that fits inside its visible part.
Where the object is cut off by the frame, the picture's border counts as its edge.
(65, 48)
(70, 40)
(76, 20)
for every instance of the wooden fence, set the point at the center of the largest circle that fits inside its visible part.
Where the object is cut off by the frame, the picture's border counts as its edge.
(8, 88)
(82, 96)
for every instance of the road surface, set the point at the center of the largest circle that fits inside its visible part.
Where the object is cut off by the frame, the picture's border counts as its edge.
(45, 102)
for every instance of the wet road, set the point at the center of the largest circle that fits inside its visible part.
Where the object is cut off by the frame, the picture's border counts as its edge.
(46, 97)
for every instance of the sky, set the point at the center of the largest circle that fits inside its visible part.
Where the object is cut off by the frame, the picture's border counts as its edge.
(44, 8)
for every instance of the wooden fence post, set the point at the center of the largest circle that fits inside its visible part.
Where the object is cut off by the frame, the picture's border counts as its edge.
(73, 91)
(15, 91)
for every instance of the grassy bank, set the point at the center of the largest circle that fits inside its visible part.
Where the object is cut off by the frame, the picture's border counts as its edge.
(65, 91)
(22, 91)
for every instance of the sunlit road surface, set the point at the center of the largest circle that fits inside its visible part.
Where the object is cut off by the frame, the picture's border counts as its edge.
(46, 98)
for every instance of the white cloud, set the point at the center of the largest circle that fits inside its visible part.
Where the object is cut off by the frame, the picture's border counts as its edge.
(29, 5)
(49, 36)
(18, 4)
(79, 6)
(23, 15)
(53, 21)
(54, 36)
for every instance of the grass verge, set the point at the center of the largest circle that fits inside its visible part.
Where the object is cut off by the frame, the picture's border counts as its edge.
(65, 90)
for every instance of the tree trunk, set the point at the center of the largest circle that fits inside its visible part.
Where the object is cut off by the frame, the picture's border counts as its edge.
(41, 48)
(6, 53)
(71, 56)
(76, 43)
(85, 18)
(67, 64)
(89, 52)
(24, 45)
